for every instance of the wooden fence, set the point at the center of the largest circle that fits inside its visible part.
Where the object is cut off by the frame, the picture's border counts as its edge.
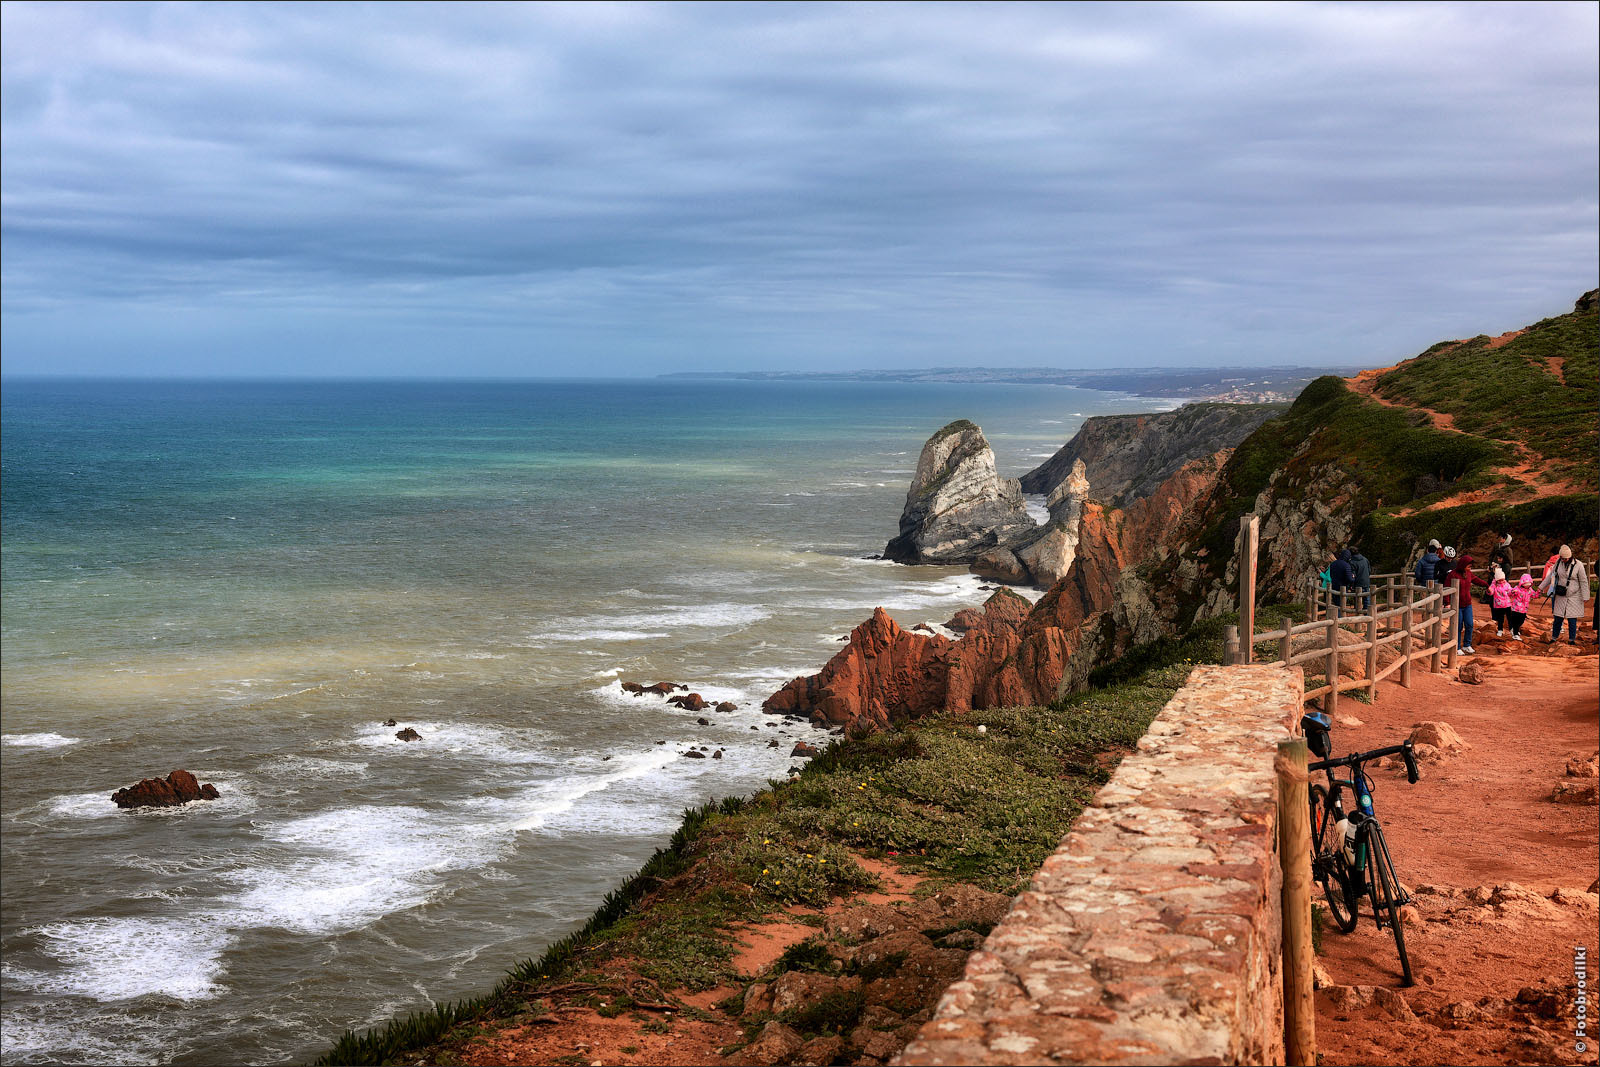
(1419, 620)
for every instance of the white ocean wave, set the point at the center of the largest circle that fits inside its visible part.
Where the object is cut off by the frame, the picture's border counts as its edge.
(120, 958)
(48, 740)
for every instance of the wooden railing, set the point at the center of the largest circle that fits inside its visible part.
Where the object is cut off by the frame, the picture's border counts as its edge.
(1421, 620)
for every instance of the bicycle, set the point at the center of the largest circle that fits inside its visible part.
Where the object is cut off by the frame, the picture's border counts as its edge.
(1349, 855)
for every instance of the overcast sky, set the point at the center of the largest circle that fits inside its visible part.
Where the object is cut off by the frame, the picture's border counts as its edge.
(612, 189)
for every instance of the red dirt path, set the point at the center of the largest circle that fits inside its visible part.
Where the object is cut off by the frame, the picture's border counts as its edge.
(1484, 819)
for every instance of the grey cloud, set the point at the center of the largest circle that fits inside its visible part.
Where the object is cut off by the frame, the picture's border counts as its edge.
(883, 183)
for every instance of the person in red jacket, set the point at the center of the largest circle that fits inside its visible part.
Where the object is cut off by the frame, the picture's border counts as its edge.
(1464, 578)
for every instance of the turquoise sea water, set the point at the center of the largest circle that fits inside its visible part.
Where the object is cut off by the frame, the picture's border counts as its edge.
(245, 579)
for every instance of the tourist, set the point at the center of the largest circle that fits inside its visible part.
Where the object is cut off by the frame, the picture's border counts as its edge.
(1341, 577)
(1361, 577)
(1500, 555)
(1522, 595)
(1428, 565)
(1500, 601)
(1567, 586)
(1461, 574)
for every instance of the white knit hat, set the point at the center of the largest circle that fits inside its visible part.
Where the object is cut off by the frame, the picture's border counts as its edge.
(1449, 552)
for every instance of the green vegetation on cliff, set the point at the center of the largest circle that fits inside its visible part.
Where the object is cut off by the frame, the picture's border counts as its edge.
(949, 803)
(1538, 389)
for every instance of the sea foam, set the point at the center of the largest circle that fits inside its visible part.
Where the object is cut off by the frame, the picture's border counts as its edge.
(50, 740)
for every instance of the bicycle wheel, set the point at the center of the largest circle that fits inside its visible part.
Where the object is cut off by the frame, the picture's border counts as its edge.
(1386, 894)
(1328, 866)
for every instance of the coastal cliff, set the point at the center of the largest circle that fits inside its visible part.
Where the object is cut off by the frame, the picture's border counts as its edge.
(1126, 457)
(1014, 654)
(958, 506)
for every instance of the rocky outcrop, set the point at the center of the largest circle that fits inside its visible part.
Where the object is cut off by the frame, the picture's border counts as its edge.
(958, 505)
(179, 787)
(1014, 653)
(1127, 457)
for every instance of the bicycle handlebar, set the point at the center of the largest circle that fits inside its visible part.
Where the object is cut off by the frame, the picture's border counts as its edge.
(1403, 750)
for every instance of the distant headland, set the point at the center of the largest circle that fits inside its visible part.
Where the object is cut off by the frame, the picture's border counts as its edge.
(1234, 384)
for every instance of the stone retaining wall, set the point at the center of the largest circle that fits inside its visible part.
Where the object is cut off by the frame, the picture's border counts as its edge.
(1152, 935)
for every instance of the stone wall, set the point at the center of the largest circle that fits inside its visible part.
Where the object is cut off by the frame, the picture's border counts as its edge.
(1152, 935)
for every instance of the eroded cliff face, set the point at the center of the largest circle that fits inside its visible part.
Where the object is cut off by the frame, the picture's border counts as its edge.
(1016, 653)
(958, 505)
(1128, 457)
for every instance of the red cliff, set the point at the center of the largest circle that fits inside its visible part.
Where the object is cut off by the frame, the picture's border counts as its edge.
(1014, 655)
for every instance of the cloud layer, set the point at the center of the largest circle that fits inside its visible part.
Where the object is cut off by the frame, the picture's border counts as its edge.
(618, 189)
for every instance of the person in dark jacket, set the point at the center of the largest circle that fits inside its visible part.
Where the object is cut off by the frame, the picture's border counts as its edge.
(1428, 565)
(1361, 577)
(1500, 556)
(1342, 578)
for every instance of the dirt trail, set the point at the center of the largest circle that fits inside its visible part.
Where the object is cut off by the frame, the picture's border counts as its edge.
(1528, 477)
(1501, 872)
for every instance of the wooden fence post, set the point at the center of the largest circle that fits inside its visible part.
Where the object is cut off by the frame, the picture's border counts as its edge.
(1452, 624)
(1435, 609)
(1249, 542)
(1286, 642)
(1405, 641)
(1311, 600)
(1330, 703)
(1294, 856)
(1372, 655)
(1230, 645)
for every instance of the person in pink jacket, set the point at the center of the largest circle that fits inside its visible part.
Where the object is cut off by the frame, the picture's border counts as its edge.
(1500, 601)
(1522, 595)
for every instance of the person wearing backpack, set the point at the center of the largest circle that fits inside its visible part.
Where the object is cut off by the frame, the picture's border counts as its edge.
(1428, 566)
(1361, 577)
(1567, 586)
(1500, 556)
(1341, 577)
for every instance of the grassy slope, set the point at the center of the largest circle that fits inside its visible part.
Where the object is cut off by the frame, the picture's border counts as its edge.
(955, 805)
(1510, 393)
(1499, 399)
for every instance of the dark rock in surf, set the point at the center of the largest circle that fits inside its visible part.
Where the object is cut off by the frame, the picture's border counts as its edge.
(803, 749)
(390, 722)
(663, 688)
(702, 722)
(694, 754)
(408, 734)
(727, 705)
(773, 743)
(689, 702)
(717, 754)
(179, 787)
(632, 687)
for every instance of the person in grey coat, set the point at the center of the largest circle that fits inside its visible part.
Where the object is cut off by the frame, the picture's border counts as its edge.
(1361, 577)
(1567, 586)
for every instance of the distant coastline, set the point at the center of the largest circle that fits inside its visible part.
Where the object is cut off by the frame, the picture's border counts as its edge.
(1232, 384)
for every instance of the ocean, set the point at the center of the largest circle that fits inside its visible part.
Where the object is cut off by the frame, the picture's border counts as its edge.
(247, 579)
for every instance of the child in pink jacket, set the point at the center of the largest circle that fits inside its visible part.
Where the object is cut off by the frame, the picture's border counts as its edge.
(1521, 595)
(1500, 601)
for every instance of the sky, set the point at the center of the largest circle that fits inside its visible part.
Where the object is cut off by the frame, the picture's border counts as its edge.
(598, 189)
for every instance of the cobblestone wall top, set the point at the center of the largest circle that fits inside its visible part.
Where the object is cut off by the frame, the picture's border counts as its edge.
(1152, 935)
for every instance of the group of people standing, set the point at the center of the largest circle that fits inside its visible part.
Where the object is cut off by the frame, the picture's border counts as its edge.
(1564, 581)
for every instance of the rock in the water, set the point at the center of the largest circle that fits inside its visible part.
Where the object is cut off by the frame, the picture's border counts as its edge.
(727, 706)
(964, 620)
(662, 688)
(773, 743)
(1002, 564)
(694, 754)
(689, 702)
(390, 722)
(805, 750)
(632, 687)
(717, 754)
(958, 505)
(702, 722)
(179, 787)
(408, 734)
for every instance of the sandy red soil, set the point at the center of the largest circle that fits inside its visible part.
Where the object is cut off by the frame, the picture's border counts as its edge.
(1478, 821)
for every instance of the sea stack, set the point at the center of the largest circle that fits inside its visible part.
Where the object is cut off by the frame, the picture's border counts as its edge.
(958, 505)
(179, 787)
